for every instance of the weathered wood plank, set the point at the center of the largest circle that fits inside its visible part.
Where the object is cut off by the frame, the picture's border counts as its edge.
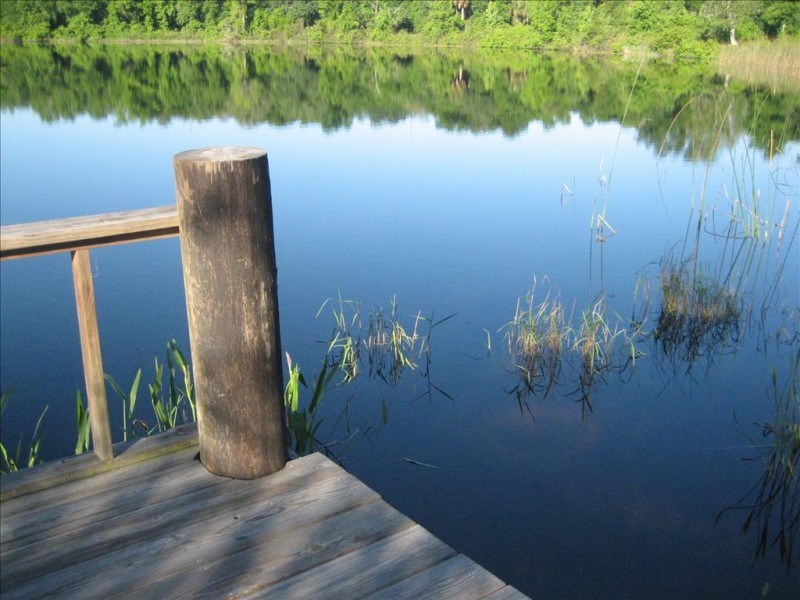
(507, 593)
(224, 543)
(74, 468)
(366, 570)
(93, 373)
(455, 578)
(113, 495)
(310, 530)
(136, 520)
(62, 235)
(253, 552)
(72, 494)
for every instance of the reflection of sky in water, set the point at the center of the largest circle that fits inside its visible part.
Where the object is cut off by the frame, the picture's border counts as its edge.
(451, 223)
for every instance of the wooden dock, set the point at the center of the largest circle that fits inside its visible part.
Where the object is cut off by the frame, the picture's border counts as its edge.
(154, 523)
(148, 520)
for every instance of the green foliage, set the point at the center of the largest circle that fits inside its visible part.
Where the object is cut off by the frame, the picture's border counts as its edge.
(780, 18)
(440, 20)
(673, 26)
(15, 461)
(128, 403)
(84, 425)
(301, 417)
(170, 404)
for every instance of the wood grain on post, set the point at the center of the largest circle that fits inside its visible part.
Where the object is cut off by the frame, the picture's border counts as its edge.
(90, 351)
(230, 274)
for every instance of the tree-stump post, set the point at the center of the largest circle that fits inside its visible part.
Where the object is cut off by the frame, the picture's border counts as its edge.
(228, 253)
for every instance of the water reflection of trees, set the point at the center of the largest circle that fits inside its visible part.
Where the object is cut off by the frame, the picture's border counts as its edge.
(464, 91)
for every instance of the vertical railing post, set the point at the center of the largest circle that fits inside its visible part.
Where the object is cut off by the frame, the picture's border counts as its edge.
(230, 274)
(90, 351)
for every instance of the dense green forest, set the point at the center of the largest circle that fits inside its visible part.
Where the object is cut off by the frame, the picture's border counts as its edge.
(677, 107)
(675, 27)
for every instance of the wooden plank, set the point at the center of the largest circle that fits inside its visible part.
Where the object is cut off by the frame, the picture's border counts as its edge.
(208, 560)
(73, 493)
(83, 509)
(456, 578)
(367, 569)
(62, 235)
(300, 550)
(188, 534)
(74, 468)
(135, 520)
(507, 593)
(310, 530)
(93, 372)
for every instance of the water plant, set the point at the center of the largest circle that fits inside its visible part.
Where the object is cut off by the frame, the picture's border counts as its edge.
(541, 339)
(171, 410)
(723, 279)
(84, 425)
(128, 401)
(15, 461)
(773, 503)
(344, 348)
(302, 419)
(390, 347)
(698, 315)
(536, 338)
(171, 406)
(595, 345)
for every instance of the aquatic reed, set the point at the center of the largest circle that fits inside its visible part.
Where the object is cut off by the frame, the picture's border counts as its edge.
(536, 338)
(541, 339)
(15, 461)
(762, 63)
(698, 315)
(172, 405)
(773, 503)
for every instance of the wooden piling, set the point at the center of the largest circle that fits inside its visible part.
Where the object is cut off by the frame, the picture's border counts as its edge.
(228, 253)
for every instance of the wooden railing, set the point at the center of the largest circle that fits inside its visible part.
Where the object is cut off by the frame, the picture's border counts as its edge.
(78, 235)
(224, 216)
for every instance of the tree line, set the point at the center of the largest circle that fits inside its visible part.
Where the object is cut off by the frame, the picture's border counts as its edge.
(679, 27)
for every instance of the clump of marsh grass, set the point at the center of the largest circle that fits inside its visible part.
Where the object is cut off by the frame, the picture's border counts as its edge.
(390, 345)
(536, 338)
(768, 63)
(391, 348)
(596, 346)
(541, 339)
(698, 316)
(773, 503)
(344, 349)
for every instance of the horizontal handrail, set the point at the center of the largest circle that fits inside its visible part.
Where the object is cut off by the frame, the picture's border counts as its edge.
(76, 233)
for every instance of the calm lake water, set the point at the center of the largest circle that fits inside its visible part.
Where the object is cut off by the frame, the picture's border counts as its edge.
(459, 184)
